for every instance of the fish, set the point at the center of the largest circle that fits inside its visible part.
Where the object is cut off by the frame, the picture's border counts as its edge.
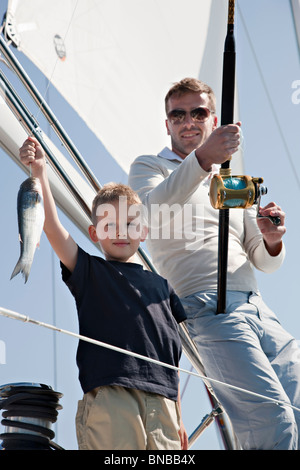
(31, 217)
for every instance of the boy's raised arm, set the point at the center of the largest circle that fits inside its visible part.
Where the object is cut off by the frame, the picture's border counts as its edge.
(31, 153)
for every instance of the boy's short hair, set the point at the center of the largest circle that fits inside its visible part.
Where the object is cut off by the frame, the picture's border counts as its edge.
(111, 192)
(191, 85)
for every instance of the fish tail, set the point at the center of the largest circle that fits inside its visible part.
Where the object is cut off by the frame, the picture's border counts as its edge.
(21, 267)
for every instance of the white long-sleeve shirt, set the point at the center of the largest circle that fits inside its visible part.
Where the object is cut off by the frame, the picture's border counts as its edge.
(185, 247)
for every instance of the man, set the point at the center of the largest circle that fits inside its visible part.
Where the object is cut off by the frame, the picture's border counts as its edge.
(245, 347)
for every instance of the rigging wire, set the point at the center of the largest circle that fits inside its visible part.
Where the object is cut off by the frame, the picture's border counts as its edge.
(185, 384)
(27, 319)
(57, 58)
(297, 34)
(274, 113)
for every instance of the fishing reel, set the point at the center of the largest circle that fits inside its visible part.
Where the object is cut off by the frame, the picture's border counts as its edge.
(241, 191)
(228, 192)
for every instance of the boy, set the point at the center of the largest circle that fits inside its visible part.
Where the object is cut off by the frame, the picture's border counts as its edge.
(128, 403)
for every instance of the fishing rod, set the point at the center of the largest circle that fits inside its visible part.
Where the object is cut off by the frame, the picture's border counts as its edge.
(227, 112)
(228, 191)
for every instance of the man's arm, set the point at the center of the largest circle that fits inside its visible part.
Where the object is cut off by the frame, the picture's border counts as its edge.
(31, 153)
(150, 178)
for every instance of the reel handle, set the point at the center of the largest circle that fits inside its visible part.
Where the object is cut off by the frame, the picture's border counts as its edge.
(274, 219)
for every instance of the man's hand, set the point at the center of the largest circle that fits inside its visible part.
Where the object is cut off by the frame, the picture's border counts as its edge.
(219, 146)
(271, 233)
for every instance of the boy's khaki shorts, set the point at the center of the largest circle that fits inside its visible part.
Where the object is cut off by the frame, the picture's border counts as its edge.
(119, 418)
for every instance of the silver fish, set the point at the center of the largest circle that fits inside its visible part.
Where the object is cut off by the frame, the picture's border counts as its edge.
(31, 218)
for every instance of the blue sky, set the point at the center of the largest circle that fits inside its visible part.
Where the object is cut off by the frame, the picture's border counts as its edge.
(267, 67)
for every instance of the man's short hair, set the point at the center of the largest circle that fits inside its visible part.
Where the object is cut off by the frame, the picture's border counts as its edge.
(191, 85)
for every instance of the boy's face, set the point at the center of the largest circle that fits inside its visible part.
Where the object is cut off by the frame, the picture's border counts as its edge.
(119, 230)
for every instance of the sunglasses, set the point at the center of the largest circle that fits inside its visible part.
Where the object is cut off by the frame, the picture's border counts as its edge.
(201, 114)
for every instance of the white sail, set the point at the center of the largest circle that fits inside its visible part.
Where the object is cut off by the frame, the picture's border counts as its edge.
(114, 60)
(144, 47)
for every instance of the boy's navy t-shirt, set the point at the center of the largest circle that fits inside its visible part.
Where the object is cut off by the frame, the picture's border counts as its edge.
(123, 305)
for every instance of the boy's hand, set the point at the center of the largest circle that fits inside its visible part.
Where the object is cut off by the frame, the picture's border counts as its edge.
(31, 153)
(183, 437)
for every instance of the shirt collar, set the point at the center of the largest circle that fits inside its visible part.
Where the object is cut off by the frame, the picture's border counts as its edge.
(169, 155)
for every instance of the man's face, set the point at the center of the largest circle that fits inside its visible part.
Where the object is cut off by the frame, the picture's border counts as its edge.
(189, 134)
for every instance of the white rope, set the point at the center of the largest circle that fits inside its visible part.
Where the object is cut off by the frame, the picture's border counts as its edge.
(27, 319)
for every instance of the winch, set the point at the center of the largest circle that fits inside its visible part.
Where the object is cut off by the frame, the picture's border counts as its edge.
(29, 410)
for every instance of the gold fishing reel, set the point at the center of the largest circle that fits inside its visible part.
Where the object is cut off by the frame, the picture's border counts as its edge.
(240, 191)
(229, 192)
